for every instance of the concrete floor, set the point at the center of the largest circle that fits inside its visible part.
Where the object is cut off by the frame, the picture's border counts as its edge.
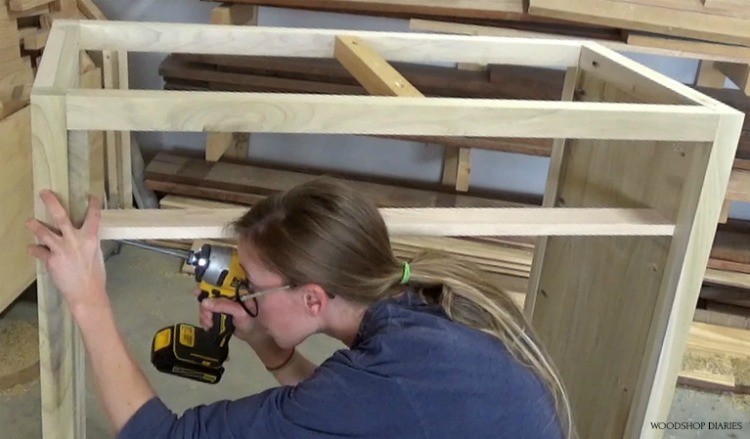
(148, 293)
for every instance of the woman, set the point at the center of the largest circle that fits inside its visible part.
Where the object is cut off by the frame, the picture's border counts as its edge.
(436, 350)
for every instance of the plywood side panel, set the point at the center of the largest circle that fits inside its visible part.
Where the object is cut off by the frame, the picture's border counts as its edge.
(596, 296)
(16, 183)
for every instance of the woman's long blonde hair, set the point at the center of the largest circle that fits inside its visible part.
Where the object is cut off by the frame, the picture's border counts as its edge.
(325, 232)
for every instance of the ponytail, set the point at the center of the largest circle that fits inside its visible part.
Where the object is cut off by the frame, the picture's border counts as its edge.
(326, 232)
(468, 296)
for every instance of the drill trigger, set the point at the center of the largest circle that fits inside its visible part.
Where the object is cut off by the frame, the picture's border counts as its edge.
(202, 296)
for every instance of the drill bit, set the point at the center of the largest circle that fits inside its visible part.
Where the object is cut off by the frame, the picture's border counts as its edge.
(182, 254)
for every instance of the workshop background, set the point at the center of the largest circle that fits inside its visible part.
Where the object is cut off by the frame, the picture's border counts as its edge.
(714, 383)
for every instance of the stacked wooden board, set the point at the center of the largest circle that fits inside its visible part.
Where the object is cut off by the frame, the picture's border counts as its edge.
(715, 30)
(509, 258)
(509, 13)
(716, 356)
(21, 34)
(719, 21)
(24, 26)
(298, 75)
(245, 184)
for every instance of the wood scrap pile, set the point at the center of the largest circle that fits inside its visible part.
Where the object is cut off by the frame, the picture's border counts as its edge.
(21, 34)
(24, 28)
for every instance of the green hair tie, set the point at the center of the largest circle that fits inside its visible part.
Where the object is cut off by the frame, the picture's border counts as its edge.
(407, 273)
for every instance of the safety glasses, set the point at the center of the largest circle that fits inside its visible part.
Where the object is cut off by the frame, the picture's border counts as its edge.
(249, 298)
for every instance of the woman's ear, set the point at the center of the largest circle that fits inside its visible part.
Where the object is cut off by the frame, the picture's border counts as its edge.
(315, 299)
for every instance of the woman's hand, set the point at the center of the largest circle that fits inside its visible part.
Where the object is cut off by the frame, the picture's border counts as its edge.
(246, 327)
(73, 257)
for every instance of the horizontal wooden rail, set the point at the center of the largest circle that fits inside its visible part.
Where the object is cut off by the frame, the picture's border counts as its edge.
(209, 223)
(319, 43)
(149, 110)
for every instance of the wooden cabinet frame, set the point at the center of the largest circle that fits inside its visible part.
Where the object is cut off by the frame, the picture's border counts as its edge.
(637, 178)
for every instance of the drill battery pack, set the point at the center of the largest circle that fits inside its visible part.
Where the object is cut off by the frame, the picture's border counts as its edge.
(190, 352)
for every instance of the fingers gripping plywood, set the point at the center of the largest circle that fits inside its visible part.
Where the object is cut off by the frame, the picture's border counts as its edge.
(61, 165)
(61, 351)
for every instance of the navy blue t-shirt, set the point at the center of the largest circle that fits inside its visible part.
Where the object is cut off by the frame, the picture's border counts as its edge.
(411, 373)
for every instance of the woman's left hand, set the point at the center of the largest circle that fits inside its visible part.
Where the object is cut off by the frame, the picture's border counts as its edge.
(73, 257)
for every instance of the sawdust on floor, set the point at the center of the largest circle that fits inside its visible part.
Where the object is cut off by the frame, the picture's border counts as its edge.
(19, 355)
(741, 401)
(16, 391)
(741, 368)
(713, 363)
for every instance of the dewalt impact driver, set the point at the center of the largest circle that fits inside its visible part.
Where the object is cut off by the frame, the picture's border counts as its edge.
(190, 351)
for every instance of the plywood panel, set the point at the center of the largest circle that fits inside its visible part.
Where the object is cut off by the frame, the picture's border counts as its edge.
(17, 269)
(596, 296)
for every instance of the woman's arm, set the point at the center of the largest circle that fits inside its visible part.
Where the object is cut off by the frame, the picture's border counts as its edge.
(287, 365)
(289, 369)
(120, 383)
(73, 258)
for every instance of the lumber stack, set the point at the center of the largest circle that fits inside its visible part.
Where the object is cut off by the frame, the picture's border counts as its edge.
(332, 76)
(508, 13)
(720, 21)
(24, 27)
(246, 184)
(327, 76)
(724, 295)
(727, 277)
(21, 38)
(710, 30)
(717, 356)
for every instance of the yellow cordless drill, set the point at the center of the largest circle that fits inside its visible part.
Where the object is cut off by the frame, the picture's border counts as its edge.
(190, 351)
